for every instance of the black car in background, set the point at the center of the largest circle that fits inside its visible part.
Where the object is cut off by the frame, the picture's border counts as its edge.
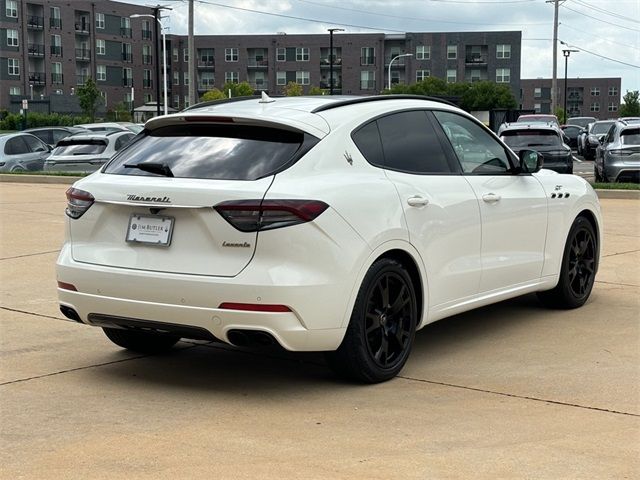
(596, 133)
(571, 133)
(545, 139)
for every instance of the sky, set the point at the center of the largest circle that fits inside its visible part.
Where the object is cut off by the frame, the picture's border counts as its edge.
(606, 32)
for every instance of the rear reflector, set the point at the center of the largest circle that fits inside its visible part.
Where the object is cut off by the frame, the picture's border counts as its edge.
(78, 202)
(254, 307)
(67, 286)
(256, 215)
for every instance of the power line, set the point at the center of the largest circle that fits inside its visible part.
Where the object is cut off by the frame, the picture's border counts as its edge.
(601, 56)
(562, 24)
(600, 20)
(386, 15)
(603, 11)
(497, 2)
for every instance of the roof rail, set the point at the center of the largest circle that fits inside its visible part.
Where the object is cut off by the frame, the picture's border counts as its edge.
(376, 98)
(221, 102)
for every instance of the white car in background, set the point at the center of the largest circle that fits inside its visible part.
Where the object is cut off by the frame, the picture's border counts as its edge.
(336, 224)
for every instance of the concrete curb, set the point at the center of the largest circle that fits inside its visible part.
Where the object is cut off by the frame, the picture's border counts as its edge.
(613, 194)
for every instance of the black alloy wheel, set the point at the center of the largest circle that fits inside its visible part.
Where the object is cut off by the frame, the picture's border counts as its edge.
(380, 334)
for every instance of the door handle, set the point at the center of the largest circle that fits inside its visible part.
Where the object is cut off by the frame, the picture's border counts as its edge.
(417, 201)
(491, 197)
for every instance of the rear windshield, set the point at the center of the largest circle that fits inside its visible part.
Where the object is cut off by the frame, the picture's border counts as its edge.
(599, 128)
(216, 152)
(581, 121)
(630, 136)
(536, 118)
(80, 147)
(531, 138)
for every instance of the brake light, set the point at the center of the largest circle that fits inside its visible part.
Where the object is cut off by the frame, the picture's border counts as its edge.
(78, 202)
(254, 307)
(67, 286)
(256, 215)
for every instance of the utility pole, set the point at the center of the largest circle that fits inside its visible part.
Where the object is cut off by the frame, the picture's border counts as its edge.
(156, 14)
(331, 30)
(554, 78)
(192, 58)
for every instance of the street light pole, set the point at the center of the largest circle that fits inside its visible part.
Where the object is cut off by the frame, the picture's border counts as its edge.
(393, 60)
(566, 54)
(331, 30)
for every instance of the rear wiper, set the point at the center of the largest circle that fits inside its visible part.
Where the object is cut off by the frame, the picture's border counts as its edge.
(151, 167)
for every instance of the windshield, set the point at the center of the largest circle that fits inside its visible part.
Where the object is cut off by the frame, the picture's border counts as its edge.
(86, 147)
(599, 128)
(230, 152)
(630, 136)
(531, 138)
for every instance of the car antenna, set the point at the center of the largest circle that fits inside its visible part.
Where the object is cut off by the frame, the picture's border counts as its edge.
(266, 98)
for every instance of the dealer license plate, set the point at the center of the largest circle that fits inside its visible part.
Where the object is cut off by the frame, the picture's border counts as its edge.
(151, 230)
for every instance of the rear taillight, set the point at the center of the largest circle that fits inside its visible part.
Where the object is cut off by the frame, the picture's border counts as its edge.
(78, 202)
(621, 152)
(256, 215)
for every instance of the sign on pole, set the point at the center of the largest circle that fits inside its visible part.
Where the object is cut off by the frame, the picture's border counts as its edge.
(25, 104)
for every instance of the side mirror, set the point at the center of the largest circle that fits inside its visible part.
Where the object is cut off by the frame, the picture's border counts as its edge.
(530, 161)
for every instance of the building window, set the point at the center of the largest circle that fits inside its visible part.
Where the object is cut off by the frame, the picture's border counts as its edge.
(185, 78)
(55, 21)
(452, 75)
(127, 56)
(422, 75)
(103, 94)
(230, 54)
(476, 76)
(15, 91)
(595, 107)
(302, 54)
(148, 97)
(231, 77)
(56, 45)
(101, 72)
(613, 92)
(100, 20)
(281, 78)
(423, 52)
(537, 92)
(503, 75)
(146, 79)
(302, 78)
(128, 100)
(56, 73)
(613, 107)
(281, 54)
(146, 54)
(12, 8)
(125, 27)
(185, 54)
(595, 92)
(175, 54)
(186, 101)
(127, 77)
(12, 38)
(367, 80)
(367, 56)
(452, 52)
(146, 30)
(503, 51)
(100, 47)
(14, 66)
(537, 107)
(176, 78)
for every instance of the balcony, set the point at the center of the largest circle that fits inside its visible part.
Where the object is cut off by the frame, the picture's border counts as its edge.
(264, 85)
(325, 62)
(206, 84)
(125, 32)
(36, 50)
(83, 54)
(147, 59)
(575, 97)
(56, 50)
(37, 78)
(476, 59)
(127, 82)
(81, 79)
(254, 62)
(56, 78)
(397, 63)
(55, 23)
(82, 27)
(127, 57)
(367, 84)
(35, 23)
(367, 60)
(206, 62)
(146, 34)
(147, 83)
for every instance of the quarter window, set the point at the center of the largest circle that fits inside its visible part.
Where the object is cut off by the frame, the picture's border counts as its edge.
(477, 151)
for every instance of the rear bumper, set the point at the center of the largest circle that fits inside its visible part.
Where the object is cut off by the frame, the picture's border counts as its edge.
(619, 171)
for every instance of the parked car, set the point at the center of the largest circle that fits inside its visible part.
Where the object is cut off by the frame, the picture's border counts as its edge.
(581, 121)
(543, 138)
(538, 117)
(618, 157)
(328, 223)
(22, 152)
(596, 134)
(103, 127)
(134, 127)
(571, 133)
(84, 153)
(52, 135)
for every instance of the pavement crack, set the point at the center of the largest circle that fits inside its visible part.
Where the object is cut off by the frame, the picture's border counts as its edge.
(620, 253)
(618, 284)
(523, 397)
(9, 309)
(30, 255)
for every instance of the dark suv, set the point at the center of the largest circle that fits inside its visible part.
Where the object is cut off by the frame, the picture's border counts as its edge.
(545, 139)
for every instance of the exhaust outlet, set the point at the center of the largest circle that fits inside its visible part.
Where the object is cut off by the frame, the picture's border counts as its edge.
(70, 313)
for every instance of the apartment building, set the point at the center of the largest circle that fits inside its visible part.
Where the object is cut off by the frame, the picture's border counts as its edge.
(592, 97)
(50, 47)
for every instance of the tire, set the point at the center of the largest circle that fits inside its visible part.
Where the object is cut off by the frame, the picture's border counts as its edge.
(578, 271)
(141, 341)
(382, 326)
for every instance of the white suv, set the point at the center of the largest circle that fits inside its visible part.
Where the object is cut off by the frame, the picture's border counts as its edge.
(337, 224)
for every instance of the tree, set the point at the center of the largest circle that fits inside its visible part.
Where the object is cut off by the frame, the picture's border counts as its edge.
(293, 89)
(213, 94)
(631, 106)
(119, 113)
(237, 90)
(562, 117)
(89, 98)
(318, 91)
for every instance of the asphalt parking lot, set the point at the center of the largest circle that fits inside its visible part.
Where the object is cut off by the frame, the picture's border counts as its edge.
(508, 391)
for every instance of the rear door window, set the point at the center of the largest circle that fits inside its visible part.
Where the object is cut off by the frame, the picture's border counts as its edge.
(214, 151)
